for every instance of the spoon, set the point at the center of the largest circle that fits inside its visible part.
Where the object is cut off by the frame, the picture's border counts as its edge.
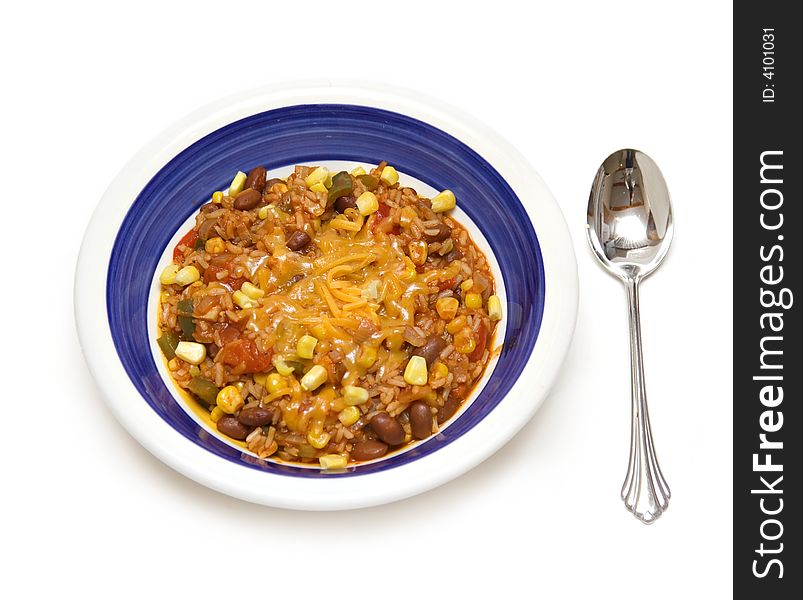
(629, 229)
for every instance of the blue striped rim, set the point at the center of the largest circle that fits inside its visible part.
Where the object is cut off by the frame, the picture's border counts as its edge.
(303, 134)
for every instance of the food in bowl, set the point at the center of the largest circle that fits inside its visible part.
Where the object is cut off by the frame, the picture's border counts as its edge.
(327, 318)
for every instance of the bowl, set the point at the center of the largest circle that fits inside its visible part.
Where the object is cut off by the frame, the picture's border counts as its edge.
(502, 201)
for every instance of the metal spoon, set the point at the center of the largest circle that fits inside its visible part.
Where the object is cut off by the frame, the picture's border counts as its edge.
(630, 229)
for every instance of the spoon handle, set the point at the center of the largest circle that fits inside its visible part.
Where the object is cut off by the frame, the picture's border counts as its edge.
(644, 491)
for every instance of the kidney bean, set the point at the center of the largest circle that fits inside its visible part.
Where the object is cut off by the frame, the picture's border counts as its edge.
(431, 350)
(443, 232)
(344, 202)
(368, 450)
(207, 227)
(271, 182)
(388, 429)
(452, 403)
(232, 427)
(454, 255)
(247, 199)
(256, 416)
(256, 179)
(298, 240)
(420, 420)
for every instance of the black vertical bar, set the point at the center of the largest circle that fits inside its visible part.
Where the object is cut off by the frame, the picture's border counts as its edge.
(767, 247)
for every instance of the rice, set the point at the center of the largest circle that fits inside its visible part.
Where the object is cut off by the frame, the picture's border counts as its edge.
(318, 289)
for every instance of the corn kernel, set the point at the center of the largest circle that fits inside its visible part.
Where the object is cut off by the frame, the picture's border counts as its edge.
(305, 347)
(252, 291)
(319, 331)
(394, 341)
(367, 357)
(467, 285)
(444, 201)
(215, 245)
(243, 301)
(217, 197)
(229, 399)
(473, 300)
(409, 272)
(495, 308)
(354, 394)
(261, 379)
(262, 213)
(168, 275)
(216, 414)
(371, 290)
(240, 385)
(191, 352)
(314, 378)
(318, 440)
(357, 171)
(416, 371)
(418, 252)
(187, 275)
(194, 371)
(333, 461)
(407, 215)
(349, 416)
(464, 342)
(456, 325)
(318, 188)
(274, 383)
(447, 308)
(318, 175)
(389, 176)
(367, 203)
(237, 183)
(439, 371)
(282, 367)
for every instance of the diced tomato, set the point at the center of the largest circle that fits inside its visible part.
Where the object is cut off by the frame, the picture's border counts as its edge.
(245, 352)
(482, 341)
(222, 263)
(446, 285)
(381, 214)
(188, 241)
(228, 333)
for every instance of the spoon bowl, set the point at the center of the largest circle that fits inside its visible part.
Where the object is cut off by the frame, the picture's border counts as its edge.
(629, 215)
(629, 227)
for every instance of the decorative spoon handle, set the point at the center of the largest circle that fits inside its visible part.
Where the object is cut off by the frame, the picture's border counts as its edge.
(644, 491)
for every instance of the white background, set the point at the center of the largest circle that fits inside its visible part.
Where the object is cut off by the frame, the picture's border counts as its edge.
(85, 508)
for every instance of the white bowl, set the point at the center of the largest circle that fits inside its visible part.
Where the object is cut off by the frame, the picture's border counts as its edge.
(149, 202)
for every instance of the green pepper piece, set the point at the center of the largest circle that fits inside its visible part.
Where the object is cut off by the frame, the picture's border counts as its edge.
(199, 244)
(298, 366)
(342, 185)
(184, 307)
(185, 321)
(369, 181)
(168, 342)
(205, 390)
